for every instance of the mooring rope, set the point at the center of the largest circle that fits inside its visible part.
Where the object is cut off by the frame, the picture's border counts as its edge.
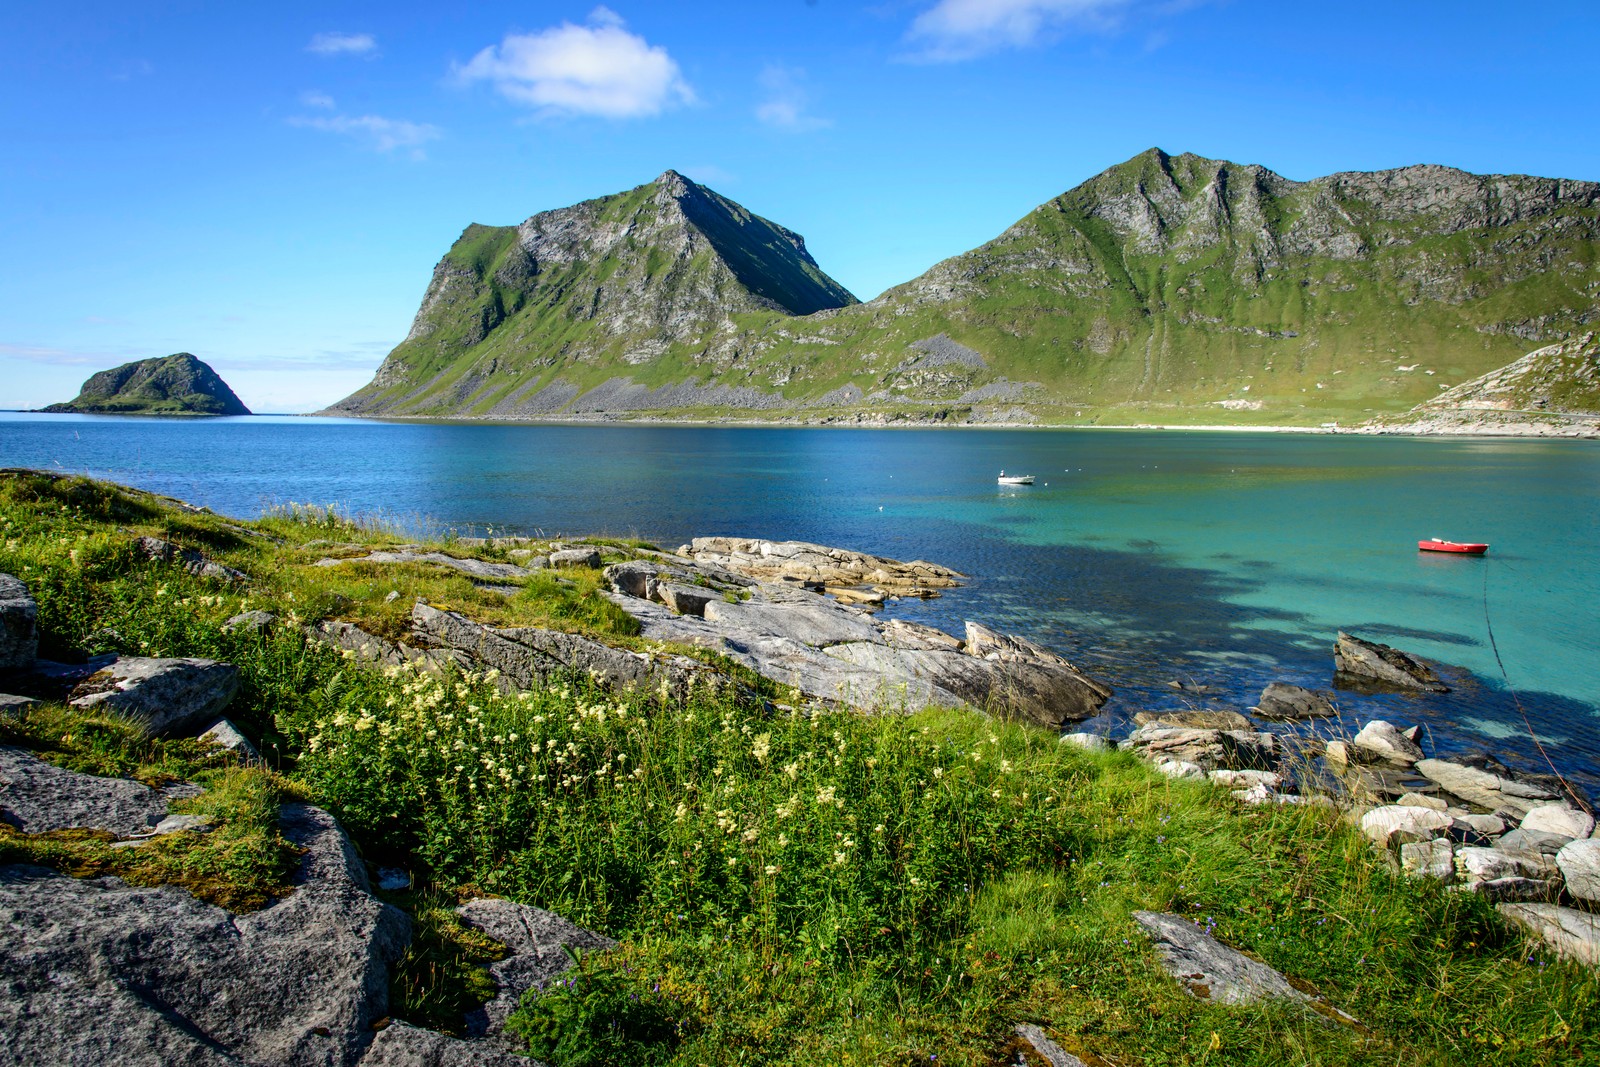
(1494, 646)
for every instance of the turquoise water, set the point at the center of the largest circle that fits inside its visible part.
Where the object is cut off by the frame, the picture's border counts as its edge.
(1220, 559)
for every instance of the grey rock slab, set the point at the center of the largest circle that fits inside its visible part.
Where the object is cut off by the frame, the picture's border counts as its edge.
(1282, 702)
(1484, 788)
(403, 1045)
(473, 568)
(1092, 742)
(537, 939)
(1395, 824)
(1520, 840)
(816, 624)
(807, 562)
(1515, 887)
(1429, 859)
(255, 621)
(169, 697)
(1205, 719)
(348, 637)
(1420, 800)
(1208, 969)
(1383, 741)
(36, 796)
(1567, 931)
(14, 705)
(1210, 749)
(1559, 819)
(575, 557)
(901, 633)
(99, 972)
(224, 733)
(685, 599)
(1579, 862)
(1381, 663)
(1053, 1054)
(527, 656)
(188, 559)
(1177, 768)
(19, 626)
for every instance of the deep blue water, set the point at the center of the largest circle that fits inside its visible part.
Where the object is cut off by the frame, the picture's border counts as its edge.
(1221, 559)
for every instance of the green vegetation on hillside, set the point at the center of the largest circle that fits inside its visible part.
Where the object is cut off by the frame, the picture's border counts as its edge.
(178, 384)
(787, 888)
(1174, 289)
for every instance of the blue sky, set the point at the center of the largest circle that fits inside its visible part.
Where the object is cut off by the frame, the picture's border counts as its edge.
(269, 186)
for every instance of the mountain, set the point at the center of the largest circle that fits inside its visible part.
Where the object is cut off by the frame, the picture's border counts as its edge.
(1167, 288)
(1551, 391)
(178, 384)
(633, 282)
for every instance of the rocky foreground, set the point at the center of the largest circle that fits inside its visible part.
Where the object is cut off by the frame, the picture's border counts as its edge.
(97, 970)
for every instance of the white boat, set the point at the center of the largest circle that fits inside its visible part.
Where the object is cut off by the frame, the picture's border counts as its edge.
(1015, 479)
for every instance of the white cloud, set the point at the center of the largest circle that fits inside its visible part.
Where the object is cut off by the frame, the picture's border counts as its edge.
(377, 132)
(55, 356)
(598, 69)
(342, 44)
(312, 98)
(787, 100)
(961, 29)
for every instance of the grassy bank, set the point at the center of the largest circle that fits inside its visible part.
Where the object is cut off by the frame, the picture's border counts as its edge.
(786, 888)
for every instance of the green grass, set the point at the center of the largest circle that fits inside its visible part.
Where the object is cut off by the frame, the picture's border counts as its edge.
(786, 889)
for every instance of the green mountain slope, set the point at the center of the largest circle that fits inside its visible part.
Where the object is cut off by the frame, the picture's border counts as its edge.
(1168, 288)
(629, 282)
(178, 384)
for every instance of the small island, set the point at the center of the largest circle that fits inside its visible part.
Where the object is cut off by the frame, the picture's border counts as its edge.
(178, 384)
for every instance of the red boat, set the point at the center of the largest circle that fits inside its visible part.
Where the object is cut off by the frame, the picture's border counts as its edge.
(1437, 545)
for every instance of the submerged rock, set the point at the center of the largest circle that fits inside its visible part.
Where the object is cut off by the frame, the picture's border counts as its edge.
(1281, 702)
(1390, 666)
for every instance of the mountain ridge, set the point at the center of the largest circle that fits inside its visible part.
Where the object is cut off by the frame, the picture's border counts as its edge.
(1174, 286)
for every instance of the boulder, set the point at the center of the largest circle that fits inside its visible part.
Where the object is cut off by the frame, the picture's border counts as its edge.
(403, 1045)
(1054, 1055)
(97, 971)
(1395, 824)
(1379, 740)
(1210, 970)
(1209, 720)
(1281, 702)
(1501, 875)
(1520, 840)
(188, 559)
(19, 626)
(36, 796)
(1419, 800)
(1559, 819)
(224, 733)
(255, 622)
(1485, 788)
(167, 697)
(575, 557)
(14, 705)
(1429, 859)
(1177, 768)
(1567, 931)
(537, 940)
(1579, 862)
(1092, 742)
(1210, 749)
(1381, 663)
(1476, 829)
(685, 599)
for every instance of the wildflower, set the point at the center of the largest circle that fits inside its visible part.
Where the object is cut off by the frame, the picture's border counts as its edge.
(770, 869)
(1005, 766)
(761, 746)
(792, 770)
(938, 772)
